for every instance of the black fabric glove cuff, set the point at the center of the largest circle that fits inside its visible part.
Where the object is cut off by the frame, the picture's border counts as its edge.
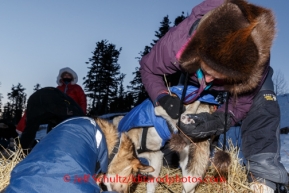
(157, 103)
(220, 116)
(204, 125)
(171, 104)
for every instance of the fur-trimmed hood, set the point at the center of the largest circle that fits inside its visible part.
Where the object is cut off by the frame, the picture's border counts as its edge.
(69, 70)
(235, 40)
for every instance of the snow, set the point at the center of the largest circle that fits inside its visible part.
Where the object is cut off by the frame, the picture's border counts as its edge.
(283, 101)
(284, 138)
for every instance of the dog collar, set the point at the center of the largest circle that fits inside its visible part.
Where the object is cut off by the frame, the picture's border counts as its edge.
(114, 151)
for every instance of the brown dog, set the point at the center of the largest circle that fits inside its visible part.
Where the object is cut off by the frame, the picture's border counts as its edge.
(124, 163)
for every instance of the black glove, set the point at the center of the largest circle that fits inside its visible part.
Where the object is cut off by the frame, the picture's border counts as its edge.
(171, 105)
(204, 125)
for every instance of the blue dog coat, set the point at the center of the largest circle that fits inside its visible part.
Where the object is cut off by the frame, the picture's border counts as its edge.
(143, 115)
(64, 160)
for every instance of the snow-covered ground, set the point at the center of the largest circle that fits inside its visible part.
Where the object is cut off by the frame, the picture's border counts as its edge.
(283, 101)
(285, 150)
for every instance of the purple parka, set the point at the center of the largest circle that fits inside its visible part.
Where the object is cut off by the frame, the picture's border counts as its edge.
(162, 60)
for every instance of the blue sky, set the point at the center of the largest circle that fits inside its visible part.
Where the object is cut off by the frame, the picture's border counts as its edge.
(37, 38)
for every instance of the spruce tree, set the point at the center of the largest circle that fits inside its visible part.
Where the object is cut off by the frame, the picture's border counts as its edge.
(136, 88)
(8, 112)
(117, 104)
(17, 98)
(1, 101)
(165, 27)
(36, 87)
(102, 80)
(179, 19)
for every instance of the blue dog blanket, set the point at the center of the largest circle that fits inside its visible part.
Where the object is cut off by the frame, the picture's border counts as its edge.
(64, 160)
(143, 115)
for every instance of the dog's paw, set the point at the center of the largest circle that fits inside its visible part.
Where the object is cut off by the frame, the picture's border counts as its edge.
(187, 119)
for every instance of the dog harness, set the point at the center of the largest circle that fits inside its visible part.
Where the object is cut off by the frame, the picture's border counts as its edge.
(143, 115)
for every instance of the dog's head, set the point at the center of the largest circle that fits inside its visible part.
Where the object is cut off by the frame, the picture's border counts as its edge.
(124, 166)
(124, 163)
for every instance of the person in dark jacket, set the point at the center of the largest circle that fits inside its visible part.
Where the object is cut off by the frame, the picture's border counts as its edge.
(66, 81)
(225, 46)
(49, 106)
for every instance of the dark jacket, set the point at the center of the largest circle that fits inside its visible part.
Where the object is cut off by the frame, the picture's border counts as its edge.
(76, 93)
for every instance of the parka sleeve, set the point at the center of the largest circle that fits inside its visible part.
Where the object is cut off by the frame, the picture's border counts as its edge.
(162, 58)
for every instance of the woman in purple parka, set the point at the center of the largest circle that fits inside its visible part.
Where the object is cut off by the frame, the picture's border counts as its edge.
(225, 46)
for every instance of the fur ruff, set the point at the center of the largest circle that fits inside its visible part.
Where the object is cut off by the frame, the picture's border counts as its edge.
(69, 70)
(235, 40)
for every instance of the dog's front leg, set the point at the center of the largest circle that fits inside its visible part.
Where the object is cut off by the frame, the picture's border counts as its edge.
(194, 162)
(155, 160)
(188, 187)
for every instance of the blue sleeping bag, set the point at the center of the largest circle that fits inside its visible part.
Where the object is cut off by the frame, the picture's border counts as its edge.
(143, 115)
(63, 161)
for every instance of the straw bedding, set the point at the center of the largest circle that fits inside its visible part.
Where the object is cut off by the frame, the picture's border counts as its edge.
(235, 181)
(8, 160)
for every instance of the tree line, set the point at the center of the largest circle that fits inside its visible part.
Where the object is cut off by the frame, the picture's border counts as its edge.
(103, 83)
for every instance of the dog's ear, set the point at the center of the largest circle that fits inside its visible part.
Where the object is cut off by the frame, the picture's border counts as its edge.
(137, 166)
(116, 120)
